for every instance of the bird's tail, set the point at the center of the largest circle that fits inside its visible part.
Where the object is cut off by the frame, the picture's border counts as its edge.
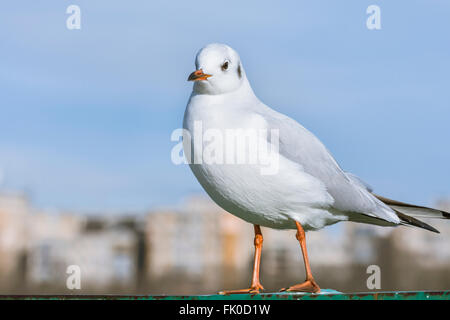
(409, 212)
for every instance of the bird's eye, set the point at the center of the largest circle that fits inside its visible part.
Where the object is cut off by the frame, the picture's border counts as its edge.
(225, 66)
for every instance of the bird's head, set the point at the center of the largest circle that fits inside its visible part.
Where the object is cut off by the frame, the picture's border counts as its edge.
(219, 70)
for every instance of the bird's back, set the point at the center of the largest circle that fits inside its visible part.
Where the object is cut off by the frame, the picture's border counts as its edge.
(303, 147)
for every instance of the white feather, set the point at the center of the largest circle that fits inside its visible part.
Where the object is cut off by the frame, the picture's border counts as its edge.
(309, 187)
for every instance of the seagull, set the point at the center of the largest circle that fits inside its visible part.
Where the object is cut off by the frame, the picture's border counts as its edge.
(307, 191)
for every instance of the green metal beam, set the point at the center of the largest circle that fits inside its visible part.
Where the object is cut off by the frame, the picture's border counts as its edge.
(325, 295)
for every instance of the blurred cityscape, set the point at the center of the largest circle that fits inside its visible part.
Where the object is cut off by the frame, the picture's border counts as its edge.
(197, 248)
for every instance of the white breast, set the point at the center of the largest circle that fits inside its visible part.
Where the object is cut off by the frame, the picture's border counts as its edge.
(272, 200)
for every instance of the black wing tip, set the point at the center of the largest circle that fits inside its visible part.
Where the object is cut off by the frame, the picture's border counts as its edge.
(408, 220)
(422, 225)
(432, 229)
(390, 202)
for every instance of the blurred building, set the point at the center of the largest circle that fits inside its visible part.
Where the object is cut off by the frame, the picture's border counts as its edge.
(14, 211)
(430, 249)
(197, 247)
(104, 251)
(36, 248)
(198, 241)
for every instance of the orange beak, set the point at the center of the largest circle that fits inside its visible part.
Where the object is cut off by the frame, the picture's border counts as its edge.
(198, 75)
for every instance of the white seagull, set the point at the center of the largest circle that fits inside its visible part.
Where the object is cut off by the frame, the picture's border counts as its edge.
(308, 191)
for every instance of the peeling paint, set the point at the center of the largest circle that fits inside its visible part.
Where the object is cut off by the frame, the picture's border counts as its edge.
(400, 295)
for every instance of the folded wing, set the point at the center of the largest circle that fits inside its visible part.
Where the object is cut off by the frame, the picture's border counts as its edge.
(299, 145)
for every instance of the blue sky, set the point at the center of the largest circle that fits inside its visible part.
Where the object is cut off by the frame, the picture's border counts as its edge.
(86, 115)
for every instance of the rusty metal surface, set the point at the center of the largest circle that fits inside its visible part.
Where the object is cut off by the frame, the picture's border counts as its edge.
(401, 295)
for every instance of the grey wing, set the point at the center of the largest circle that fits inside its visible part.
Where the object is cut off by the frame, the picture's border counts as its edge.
(350, 194)
(357, 180)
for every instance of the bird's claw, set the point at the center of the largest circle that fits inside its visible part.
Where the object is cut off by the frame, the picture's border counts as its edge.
(252, 290)
(308, 286)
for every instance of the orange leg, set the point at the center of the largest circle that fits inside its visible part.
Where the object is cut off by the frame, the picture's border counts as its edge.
(309, 285)
(255, 286)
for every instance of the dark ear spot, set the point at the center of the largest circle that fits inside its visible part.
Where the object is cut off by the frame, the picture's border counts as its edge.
(239, 71)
